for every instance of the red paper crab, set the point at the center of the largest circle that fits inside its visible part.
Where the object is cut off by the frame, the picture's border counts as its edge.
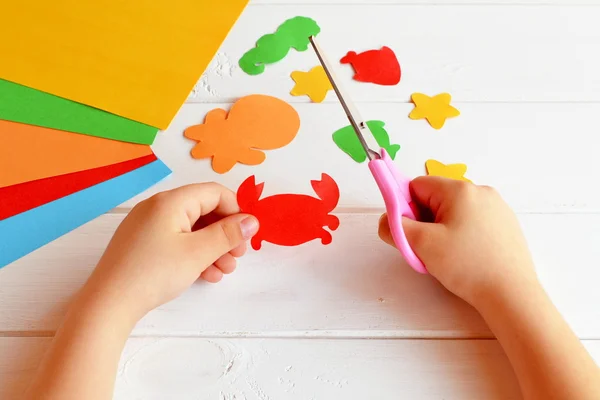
(291, 219)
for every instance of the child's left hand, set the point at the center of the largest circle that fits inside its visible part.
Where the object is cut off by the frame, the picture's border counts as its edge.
(166, 243)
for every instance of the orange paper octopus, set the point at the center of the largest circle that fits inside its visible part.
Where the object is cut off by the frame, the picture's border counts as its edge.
(254, 123)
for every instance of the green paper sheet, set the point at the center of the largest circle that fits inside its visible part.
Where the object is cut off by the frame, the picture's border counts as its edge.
(29, 106)
(348, 142)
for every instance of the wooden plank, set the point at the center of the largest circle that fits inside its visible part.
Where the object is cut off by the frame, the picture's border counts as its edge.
(354, 287)
(541, 157)
(268, 369)
(291, 369)
(476, 53)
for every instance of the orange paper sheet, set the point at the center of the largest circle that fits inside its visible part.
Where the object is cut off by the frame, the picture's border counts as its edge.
(137, 58)
(30, 152)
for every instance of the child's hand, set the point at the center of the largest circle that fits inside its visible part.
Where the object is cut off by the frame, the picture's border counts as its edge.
(475, 247)
(166, 243)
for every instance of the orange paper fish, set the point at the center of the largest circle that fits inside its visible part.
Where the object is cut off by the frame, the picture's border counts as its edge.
(254, 123)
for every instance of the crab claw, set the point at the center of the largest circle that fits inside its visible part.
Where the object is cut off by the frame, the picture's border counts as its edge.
(248, 194)
(328, 191)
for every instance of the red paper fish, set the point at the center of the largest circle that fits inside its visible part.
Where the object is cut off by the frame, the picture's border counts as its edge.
(291, 219)
(375, 66)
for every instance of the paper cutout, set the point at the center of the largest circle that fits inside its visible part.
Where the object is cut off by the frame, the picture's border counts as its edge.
(452, 171)
(375, 66)
(434, 109)
(314, 83)
(32, 229)
(26, 196)
(293, 33)
(254, 122)
(291, 219)
(29, 152)
(348, 142)
(137, 59)
(29, 106)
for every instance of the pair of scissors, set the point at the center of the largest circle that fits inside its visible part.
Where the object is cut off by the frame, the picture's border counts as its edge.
(393, 185)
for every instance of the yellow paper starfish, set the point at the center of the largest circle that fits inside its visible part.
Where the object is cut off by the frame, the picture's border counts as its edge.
(313, 83)
(434, 109)
(452, 171)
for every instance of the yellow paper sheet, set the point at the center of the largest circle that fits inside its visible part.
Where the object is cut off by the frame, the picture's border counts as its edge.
(136, 58)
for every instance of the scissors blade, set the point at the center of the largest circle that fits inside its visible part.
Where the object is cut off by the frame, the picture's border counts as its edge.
(356, 120)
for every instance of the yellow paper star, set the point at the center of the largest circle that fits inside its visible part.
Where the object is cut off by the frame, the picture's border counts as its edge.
(434, 109)
(314, 83)
(452, 171)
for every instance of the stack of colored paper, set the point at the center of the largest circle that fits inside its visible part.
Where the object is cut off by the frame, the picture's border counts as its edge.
(83, 93)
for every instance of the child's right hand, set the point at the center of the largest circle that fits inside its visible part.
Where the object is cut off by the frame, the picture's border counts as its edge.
(475, 247)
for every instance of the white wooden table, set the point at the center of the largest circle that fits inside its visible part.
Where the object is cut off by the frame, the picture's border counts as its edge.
(351, 320)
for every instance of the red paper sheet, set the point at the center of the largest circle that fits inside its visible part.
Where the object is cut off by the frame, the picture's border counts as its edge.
(25, 196)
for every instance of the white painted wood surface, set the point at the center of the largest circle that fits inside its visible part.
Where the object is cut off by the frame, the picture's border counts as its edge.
(524, 150)
(269, 369)
(264, 369)
(355, 286)
(478, 53)
(349, 320)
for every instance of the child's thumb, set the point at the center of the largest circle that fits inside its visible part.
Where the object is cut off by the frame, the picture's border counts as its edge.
(424, 238)
(421, 236)
(223, 236)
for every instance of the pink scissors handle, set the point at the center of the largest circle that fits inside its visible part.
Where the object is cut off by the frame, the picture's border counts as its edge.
(396, 193)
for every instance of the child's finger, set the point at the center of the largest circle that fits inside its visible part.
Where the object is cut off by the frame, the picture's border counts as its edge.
(239, 251)
(427, 239)
(212, 274)
(384, 230)
(221, 237)
(423, 237)
(203, 198)
(431, 191)
(226, 263)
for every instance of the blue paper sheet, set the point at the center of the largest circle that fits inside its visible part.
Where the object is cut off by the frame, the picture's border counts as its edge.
(25, 232)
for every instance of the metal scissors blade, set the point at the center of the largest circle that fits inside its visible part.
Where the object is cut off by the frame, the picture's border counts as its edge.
(393, 185)
(357, 122)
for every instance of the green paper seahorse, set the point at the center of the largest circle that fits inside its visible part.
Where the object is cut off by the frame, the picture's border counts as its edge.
(293, 33)
(348, 142)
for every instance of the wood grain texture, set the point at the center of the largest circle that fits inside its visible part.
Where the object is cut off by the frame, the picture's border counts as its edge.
(476, 53)
(541, 157)
(355, 287)
(276, 369)
(258, 369)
